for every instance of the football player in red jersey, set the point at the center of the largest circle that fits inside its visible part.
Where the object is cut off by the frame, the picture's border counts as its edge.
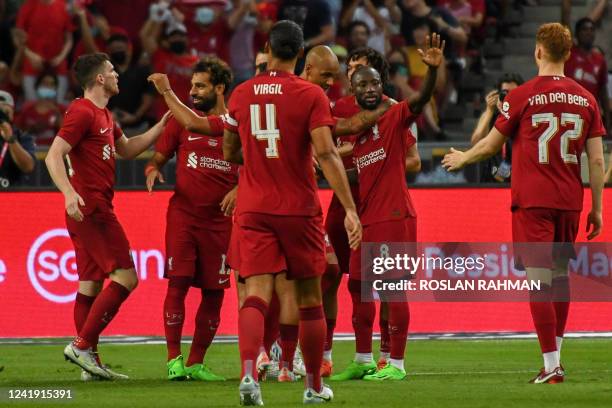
(199, 222)
(274, 121)
(90, 137)
(386, 209)
(551, 120)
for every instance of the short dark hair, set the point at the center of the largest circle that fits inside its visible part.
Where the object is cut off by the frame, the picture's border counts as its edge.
(580, 23)
(375, 59)
(219, 71)
(509, 77)
(87, 66)
(357, 23)
(286, 40)
(363, 69)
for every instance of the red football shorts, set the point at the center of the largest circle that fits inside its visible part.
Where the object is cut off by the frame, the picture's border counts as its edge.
(274, 244)
(196, 252)
(233, 252)
(404, 230)
(100, 244)
(544, 226)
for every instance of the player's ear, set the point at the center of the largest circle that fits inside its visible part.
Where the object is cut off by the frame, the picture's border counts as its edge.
(220, 89)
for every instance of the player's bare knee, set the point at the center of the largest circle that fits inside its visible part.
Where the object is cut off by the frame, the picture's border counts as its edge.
(309, 292)
(90, 288)
(126, 278)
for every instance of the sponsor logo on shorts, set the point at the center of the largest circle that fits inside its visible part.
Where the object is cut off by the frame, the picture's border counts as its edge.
(223, 281)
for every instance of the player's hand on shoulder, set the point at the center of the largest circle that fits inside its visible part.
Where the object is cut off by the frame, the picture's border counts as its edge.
(454, 160)
(164, 120)
(229, 202)
(72, 201)
(354, 229)
(433, 52)
(161, 82)
(594, 224)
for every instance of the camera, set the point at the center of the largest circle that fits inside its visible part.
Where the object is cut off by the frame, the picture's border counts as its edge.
(502, 94)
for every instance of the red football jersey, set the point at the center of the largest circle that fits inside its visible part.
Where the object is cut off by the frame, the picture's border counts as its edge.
(345, 108)
(92, 133)
(588, 68)
(274, 113)
(203, 178)
(549, 119)
(380, 157)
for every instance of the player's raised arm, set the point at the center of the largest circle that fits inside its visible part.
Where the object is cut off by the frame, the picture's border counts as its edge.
(333, 169)
(432, 55)
(185, 116)
(57, 171)
(594, 151)
(362, 121)
(485, 148)
(129, 148)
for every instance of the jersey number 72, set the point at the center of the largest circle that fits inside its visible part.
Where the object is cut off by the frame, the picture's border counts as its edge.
(271, 133)
(552, 130)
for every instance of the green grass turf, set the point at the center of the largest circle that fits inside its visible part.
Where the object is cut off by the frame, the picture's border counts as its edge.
(442, 373)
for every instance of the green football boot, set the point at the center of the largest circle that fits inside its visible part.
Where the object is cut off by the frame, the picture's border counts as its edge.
(355, 371)
(176, 369)
(201, 372)
(389, 373)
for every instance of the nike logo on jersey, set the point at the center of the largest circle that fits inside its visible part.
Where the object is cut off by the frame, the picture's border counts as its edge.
(223, 281)
(190, 138)
(103, 130)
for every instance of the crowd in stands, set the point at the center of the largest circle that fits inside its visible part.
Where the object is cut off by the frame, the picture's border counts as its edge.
(40, 40)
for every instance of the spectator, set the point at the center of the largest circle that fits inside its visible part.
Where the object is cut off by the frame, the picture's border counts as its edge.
(16, 147)
(210, 28)
(169, 54)
(469, 13)
(587, 65)
(129, 15)
(443, 23)
(49, 40)
(498, 167)
(379, 15)
(11, 76)
(42, 118)
(601, 14)
(358, 34)
(314, 16)
(94, 30)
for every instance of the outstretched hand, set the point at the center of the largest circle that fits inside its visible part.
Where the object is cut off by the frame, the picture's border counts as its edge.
(433, 52)
(161, 82)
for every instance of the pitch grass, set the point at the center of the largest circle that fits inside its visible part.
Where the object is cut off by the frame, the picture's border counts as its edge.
(442, 373)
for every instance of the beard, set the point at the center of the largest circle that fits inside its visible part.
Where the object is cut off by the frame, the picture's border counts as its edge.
(206, 103)
(367, 104)
(111, 90)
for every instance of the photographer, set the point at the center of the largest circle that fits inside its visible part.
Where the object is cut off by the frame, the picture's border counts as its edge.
(16, 147)
(498, 167)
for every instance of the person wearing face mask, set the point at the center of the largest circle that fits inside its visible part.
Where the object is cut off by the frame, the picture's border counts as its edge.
(170, 55)
(42, 118)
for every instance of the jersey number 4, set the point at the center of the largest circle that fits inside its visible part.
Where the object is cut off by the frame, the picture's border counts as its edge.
(270, 133)
(552, 130)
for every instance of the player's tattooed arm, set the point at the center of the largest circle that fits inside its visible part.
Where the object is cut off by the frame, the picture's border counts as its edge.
(432, 55)
(232, 148)
(185, 116)
(362, 121)
(153, 170)
(485, 148)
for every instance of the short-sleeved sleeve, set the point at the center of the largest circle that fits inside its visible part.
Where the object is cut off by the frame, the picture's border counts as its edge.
(410, 139)
(402, 113)
(117, 131)
(169, 139)
(597, 128)
(77, 122)
(216, 124)
(320, 113)
(509, 116)
(229, 119)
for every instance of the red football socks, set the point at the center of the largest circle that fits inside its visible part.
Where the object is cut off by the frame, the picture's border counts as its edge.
(312, 339)
(206, 324)
(102, 312)
(399, 319)
(363, 319)
(288, 343)
(174, 314)
(271, 330)
(251, 332)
